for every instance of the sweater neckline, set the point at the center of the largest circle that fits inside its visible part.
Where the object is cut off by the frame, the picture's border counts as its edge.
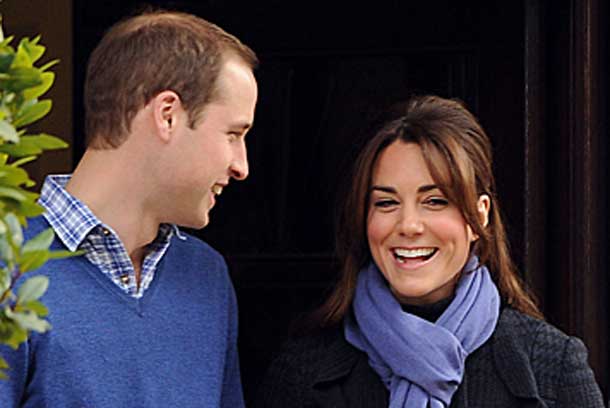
(138, 305)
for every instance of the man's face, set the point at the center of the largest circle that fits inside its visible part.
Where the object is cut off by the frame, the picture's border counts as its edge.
(212, 153)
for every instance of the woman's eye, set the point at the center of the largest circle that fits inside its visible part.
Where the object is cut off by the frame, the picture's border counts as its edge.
(384, 203)
(436, 202)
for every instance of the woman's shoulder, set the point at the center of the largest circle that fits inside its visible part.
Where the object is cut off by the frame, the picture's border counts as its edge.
(545, 345)
(312, 349)
(557, 361)
(532, 333)
(302, 362)
(512, 322)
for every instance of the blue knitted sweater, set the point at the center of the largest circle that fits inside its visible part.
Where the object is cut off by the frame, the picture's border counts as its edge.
(174, 347)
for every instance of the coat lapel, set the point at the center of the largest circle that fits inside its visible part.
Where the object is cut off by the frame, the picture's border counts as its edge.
(336, 365)
(345, 380)
(510, 354)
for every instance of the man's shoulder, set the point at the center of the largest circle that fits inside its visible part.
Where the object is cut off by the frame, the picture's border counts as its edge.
(35, 226)
(191, 245)
(193, 254)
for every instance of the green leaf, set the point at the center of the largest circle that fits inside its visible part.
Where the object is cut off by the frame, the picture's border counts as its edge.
(8, 132)
(20, 149)
(36, 307)
(6, 59)
(29, 321)
(47, 141)
(14, 227)
(49, 65)
(30, 208)
(20, 79)
(47, 80)
(40, 242)
(32, 145)
(22, 57)
(33, 113)
(3, 367)
(22, 209)
(6, 327)
(10, 175)
(32, 289)
(5, 279)
(6, 250)
(64, 254)
(17, 336)
(32, 260)
(23, 161)
(11, 192)
(33, 49)
(7, 41)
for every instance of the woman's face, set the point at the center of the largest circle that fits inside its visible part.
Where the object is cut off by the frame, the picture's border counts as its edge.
(418, 239)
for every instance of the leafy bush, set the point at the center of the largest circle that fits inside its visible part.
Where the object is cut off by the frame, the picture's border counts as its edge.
(21, 86)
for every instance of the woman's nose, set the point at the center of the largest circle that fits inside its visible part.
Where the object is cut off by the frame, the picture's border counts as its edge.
(410, 223)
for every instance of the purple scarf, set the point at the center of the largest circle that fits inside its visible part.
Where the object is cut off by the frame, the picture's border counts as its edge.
(422, 363)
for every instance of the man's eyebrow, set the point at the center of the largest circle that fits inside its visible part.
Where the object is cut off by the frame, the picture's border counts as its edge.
(241, 125)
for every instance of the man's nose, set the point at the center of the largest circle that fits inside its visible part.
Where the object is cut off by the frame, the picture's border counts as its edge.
(239, 165)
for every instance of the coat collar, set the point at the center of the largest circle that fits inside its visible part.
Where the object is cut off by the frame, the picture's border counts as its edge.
(510, 356)
(510, 351)
(340, 358)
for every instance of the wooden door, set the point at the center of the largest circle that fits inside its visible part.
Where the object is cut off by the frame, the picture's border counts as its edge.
(526, 69)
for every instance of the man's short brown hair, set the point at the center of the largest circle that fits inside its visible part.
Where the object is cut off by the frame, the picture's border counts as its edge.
(144, 55)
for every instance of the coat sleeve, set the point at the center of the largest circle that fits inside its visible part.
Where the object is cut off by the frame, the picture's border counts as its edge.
(577, 386)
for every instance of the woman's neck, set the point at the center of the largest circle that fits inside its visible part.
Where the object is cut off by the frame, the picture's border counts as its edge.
(430, 312)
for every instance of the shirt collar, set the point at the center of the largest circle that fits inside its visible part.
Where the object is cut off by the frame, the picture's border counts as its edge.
(72, 220)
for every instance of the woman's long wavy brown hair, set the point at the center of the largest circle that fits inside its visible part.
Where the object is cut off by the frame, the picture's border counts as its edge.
(458, 154)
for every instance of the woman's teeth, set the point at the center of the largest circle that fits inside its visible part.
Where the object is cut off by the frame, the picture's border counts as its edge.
(402, 254)
(217, 189)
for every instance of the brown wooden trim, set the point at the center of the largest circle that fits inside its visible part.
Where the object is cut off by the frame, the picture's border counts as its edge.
(565, 158)
(535, 145)
(577, 265)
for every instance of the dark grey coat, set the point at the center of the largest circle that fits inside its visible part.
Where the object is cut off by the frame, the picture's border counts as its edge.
(526, 363)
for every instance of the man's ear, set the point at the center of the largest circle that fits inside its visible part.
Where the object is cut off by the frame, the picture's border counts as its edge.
(166, 107)
(483, 207)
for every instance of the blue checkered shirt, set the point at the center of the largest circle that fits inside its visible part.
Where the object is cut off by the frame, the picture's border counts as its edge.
(78, 228)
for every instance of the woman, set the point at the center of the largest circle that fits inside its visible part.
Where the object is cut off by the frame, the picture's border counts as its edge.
(429, 310)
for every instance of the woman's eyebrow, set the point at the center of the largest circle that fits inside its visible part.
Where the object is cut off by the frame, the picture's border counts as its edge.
(392, 190)
(427, 187)
(384, 189)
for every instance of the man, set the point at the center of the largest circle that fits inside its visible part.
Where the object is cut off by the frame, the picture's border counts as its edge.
(147, 317)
